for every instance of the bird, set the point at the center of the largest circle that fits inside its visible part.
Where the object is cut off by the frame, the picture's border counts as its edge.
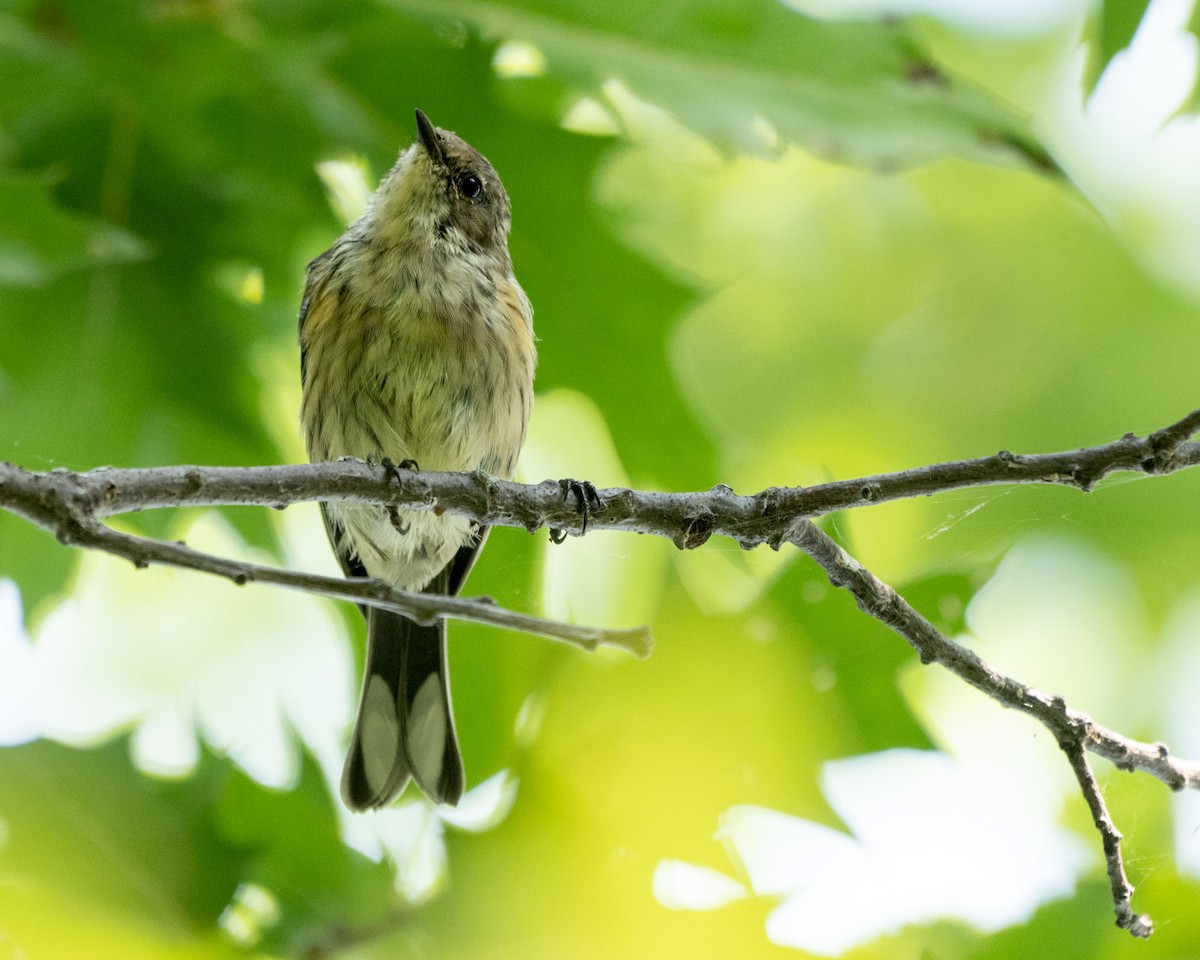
(416, 349)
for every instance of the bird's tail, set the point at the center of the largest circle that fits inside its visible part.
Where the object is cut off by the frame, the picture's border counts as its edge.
(405, 726)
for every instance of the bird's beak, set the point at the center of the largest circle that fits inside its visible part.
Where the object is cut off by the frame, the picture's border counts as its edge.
(429, 138)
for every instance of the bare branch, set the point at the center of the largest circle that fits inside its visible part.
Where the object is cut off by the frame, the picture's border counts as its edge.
(73, 524)
(1138, 924)
(1075, 732)
(688, 519)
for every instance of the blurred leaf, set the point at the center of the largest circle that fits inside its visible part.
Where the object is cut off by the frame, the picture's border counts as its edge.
(859, 92)
(856, 659)
(84, 821)
(38, 239)
(34, 560)
(291, 846)
(169, 855)
(1118, 21)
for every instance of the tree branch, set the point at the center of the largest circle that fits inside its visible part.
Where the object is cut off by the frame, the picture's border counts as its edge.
(1074, 731)
(72, 521)
(688, 519)
(71, 506)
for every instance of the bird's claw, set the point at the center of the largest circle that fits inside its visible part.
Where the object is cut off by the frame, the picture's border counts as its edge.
(393, 511)
(394, 468)
(587, 498)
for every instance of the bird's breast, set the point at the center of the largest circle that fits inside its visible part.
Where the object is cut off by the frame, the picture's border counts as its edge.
(426, 362)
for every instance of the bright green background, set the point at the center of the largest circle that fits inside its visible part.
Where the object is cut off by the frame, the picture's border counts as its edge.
(913, 282)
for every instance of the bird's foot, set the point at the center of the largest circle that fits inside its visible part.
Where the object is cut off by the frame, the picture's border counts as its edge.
(586, 496)
(393, 511)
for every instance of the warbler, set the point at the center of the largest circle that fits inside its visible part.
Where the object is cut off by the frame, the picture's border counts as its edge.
(416, 344)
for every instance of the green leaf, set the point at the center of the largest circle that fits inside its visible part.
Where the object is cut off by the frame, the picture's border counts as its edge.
(1117, 22)
(291, 846)
(85, 827)
(857, 660)
(39, 239)
(856, 92)
(86, 823)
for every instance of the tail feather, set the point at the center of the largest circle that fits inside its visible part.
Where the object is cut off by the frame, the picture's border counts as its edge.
(405, 725)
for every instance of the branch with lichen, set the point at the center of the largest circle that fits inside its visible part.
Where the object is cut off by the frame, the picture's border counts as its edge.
(73, 507)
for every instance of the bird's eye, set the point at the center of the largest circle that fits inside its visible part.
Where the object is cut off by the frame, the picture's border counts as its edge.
(470, 187)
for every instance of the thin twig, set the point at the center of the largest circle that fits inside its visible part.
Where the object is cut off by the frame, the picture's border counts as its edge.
(76, 528)
(1138, 924)
(1074, 731)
